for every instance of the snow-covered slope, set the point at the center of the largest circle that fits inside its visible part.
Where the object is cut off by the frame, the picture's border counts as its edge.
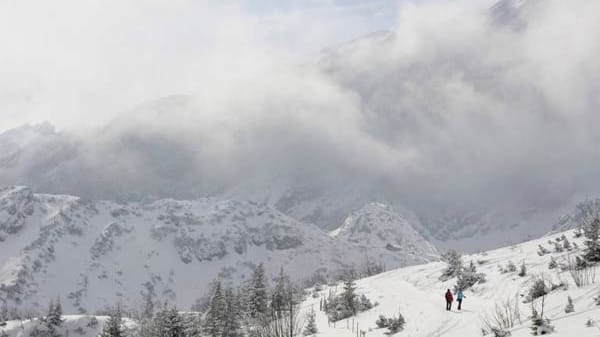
(93, 254)
(72, 325)
(418, 294)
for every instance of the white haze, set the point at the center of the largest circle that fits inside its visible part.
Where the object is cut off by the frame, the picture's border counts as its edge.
(459, 111)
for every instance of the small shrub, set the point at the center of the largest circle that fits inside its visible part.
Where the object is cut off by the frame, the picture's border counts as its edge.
(468, 278)
(523, 270)
(540, 325)
(498, 332)
(569, 307)
(538, 289)
(394, 324)
(566, 243)
(93, 322)
(543, 251)
(381, 322)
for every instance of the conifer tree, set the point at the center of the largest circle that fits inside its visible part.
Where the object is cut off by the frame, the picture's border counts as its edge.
(592, 241)
(570, 307)
(523, 270)
(148, 307)
(553, 264)
(216, 312)
(159, 323)
(54, 317)
(566, 243)
(232, 317)
(536, 321)
(174, 324)
(311, 325)
(113, 326)
(278, 296)
(3, 313)
(258, 300)
(349, 295)
(454, 266)
(192, 325)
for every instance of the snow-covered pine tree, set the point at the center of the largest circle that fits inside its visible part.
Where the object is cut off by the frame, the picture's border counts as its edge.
(148, 306)
(569, 307)
(278, 296)
(192, 325)
(349, 295)
(54, 317)
(536, 321)
(542, 250)
(114, 325)
(580, 263)
(469, 277)
(232, 317)
(215, 325)
(146, 328)
(58, 312)
(311, 324)
(160, 324)
(258, 301)
(3, 314)
(539, 324)
(174, 324)
(566, 243)
(511, 267)
(592, 241)
(558, 248)
(523, 270)
(396, 324)
(454, 265)
(553, 264)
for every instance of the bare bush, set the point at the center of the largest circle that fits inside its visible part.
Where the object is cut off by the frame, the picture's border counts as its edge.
(289, 326)
(581, 276)
(505, 315)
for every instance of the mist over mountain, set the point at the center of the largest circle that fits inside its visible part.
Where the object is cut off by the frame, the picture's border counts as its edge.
(475, 116)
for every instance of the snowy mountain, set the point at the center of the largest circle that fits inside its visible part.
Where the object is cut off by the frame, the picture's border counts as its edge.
(378, 227)
(418, 294)
(94, 253)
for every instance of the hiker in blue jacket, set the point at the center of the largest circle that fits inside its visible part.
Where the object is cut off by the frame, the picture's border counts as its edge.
(459, 297)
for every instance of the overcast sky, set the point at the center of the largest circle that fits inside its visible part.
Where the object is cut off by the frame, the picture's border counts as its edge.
(81, 62)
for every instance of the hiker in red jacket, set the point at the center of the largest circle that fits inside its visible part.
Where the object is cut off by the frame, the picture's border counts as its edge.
(449, 299)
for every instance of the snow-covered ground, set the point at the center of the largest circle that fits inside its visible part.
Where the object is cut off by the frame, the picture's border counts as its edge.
(417, 293)
(73, 325)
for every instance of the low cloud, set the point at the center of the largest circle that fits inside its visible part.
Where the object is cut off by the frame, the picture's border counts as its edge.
(465, 105)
